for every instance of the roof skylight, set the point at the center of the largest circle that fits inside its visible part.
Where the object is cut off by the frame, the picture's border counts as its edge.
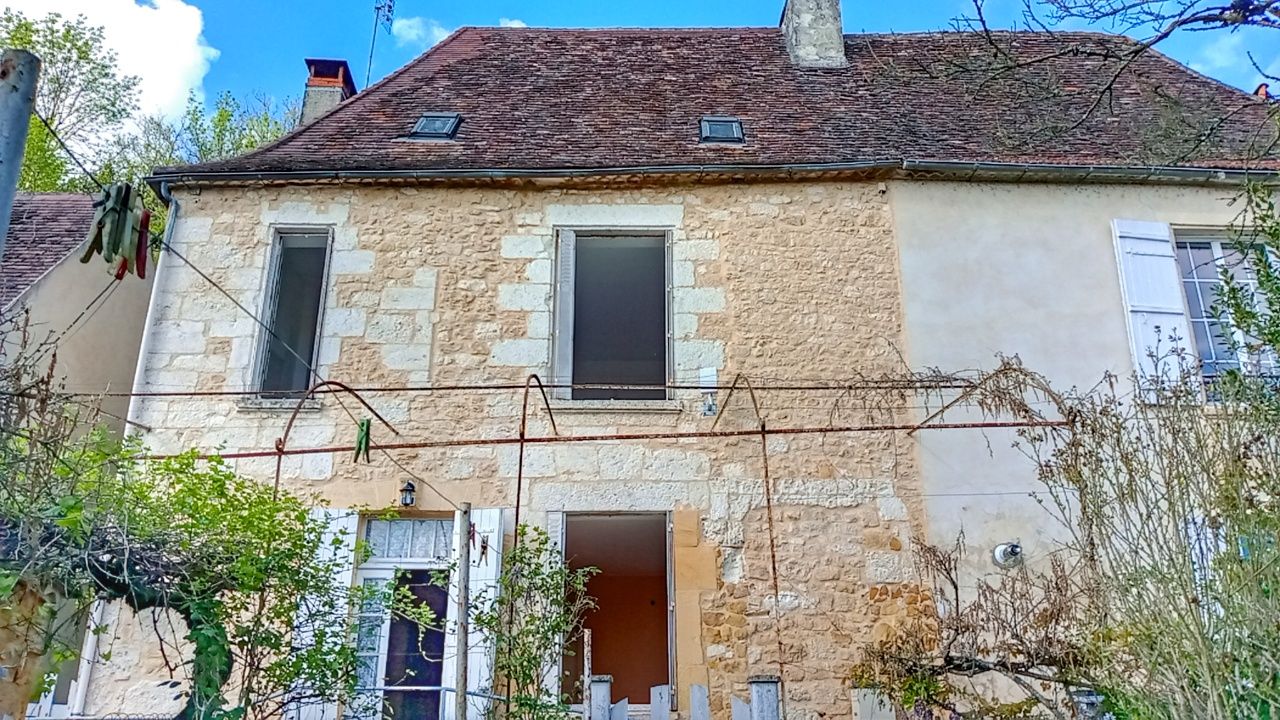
(721, 129)
(439, 126)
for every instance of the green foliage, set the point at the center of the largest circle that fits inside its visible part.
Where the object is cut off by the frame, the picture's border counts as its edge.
(44, 166)
(81, 93)
(533, 617)
(248, 571)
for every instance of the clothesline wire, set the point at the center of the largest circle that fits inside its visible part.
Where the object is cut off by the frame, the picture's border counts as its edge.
(506, 386)
(671, 435)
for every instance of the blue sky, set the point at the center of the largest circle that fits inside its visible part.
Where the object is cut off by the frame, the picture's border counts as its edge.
(256, 46)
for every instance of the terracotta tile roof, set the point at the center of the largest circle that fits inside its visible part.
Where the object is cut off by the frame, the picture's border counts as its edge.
(43, 229)
(563, 99)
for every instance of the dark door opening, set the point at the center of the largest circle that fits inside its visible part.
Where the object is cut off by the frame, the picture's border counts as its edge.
(629, 627)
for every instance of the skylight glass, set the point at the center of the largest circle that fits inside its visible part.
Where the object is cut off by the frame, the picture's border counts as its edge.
(721, 129)
(436, 125)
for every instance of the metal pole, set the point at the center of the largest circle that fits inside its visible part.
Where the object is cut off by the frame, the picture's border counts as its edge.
(464, 602)
(18, 72)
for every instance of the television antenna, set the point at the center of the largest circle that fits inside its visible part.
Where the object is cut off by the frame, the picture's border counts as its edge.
(383, 13)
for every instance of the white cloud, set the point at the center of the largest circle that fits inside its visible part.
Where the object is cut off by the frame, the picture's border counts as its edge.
(419, 31)
(1226, 52)
(160, 41)
(511, 22)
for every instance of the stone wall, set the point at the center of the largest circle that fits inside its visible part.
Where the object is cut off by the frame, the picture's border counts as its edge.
(432, 286)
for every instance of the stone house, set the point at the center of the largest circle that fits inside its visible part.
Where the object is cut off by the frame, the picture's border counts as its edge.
(638, 217)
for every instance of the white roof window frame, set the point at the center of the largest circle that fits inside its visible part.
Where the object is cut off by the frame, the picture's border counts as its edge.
(436, 126)
(708, 122)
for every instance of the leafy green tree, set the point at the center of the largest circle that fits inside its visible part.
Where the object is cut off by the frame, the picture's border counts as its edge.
(245, 572)
(81, 93)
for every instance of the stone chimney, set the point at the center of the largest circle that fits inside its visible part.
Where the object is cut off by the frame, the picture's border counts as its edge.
(814, 36)
(328, 83)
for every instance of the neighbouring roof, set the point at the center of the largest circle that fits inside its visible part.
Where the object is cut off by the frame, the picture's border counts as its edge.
(43, 229)
(546, 100)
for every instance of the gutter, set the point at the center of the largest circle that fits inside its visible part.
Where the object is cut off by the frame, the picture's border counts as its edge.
(902, 169)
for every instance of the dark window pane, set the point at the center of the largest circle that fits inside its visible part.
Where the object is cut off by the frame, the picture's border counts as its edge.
(295, 315)
(1193, 300)
(620, 317)
(415, 654)
(436, 125)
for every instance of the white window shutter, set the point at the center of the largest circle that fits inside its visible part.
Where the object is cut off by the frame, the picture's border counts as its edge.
(338, 543)
(555, 536)
(1152, 290)
(486, 564)
(562, 355)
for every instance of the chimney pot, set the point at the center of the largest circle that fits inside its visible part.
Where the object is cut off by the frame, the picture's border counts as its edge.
(328, 83)
(814, 35)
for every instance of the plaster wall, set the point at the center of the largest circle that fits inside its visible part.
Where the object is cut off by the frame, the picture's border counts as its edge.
(99, 352)
(1025, 270)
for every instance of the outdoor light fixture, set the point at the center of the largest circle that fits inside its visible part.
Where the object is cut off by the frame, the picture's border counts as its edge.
(408, 494)
(1007, 555)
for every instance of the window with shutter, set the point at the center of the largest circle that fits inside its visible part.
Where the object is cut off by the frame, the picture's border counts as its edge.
(612, 307)
(1151, 286)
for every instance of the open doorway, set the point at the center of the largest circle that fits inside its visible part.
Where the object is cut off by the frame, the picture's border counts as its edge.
(630, 627)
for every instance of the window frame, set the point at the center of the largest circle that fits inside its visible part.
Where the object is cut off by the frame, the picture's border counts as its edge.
(449, 133)
(562, 314)
(269, 305)
(704, 127)
(385, 569)
(1218, 241)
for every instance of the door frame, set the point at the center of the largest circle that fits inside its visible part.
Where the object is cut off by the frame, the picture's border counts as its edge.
(557, 527)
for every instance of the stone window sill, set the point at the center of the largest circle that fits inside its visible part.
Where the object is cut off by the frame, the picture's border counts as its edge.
(670, 407)
(254, 403)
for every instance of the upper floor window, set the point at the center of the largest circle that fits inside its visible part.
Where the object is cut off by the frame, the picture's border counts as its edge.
(1202, 260)
(295, 298)
(612, 310)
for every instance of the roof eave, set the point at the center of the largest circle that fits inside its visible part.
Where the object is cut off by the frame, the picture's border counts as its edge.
(905, 168)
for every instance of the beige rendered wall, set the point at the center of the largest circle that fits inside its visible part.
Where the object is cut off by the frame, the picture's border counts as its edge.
(100, 352)
(1026, 270)
(783, 282)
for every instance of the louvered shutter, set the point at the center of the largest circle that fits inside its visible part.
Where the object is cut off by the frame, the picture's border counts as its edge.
(337, 544)
(486, 563)
(562, 355)
(1152, 288)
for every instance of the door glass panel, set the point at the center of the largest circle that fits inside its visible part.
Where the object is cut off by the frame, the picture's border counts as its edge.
(415, 654)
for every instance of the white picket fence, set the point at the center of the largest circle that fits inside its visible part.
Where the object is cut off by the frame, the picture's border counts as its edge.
(761, 705)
